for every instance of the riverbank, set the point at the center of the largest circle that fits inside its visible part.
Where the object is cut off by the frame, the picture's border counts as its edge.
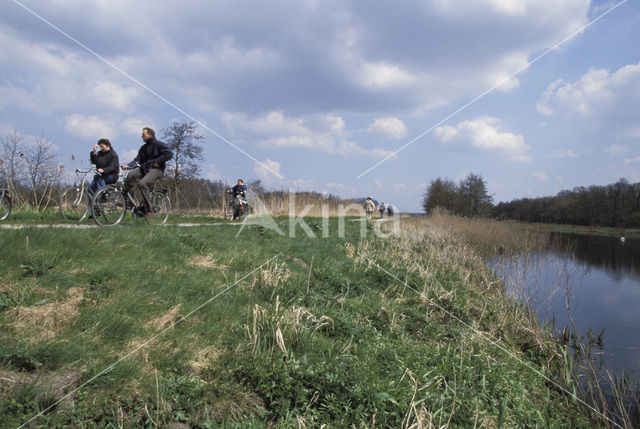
(202, 326)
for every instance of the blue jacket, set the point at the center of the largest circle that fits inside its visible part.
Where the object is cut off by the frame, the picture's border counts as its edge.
(152, 151)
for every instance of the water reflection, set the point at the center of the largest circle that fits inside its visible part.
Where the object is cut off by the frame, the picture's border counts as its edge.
(587, 283)
(619, 258)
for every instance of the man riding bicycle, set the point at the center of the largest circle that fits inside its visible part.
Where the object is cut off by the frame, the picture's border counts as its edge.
(152, 158)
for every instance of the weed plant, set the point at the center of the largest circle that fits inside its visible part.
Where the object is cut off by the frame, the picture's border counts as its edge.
(208, 327)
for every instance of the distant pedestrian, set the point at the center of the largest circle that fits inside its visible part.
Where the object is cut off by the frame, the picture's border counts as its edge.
(389, 210)
(369, 207)
(381, 209)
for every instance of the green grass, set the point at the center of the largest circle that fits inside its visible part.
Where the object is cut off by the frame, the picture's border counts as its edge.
(306, 332)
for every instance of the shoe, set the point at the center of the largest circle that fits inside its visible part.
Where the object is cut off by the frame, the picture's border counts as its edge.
(148, 215)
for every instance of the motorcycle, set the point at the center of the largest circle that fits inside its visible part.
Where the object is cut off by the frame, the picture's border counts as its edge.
(238, 207)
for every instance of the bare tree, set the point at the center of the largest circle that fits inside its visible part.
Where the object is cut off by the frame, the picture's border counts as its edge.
(182, 138)
(12, 165)
(42, 171)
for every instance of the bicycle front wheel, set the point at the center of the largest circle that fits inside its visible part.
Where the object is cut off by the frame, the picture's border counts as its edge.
(73, 204)
(5, 207)
(108, 206)
(160, 207)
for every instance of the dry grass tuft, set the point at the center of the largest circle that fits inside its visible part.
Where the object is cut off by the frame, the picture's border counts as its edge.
(202, 359)
(271, 328)
(44, 322)
(208, 262)
(165, 320)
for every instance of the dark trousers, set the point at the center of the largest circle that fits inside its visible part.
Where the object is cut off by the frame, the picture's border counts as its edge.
(143, 183)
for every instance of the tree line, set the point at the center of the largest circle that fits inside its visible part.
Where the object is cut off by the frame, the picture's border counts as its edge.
(613, 205)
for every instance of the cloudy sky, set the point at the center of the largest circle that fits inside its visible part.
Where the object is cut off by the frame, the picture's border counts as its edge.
(351, 98)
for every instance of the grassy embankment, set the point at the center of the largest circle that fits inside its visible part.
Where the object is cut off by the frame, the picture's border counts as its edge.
(293, 331)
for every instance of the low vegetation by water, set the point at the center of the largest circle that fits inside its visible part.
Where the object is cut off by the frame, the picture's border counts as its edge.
(201, 326)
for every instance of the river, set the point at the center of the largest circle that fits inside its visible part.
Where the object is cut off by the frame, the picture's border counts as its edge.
(586, 283)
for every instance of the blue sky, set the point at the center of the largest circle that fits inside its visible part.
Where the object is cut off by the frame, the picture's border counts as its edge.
(319, 92)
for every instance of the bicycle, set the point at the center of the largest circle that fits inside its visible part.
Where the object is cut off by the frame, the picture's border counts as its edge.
(111, 203)
(5, 204)
(75, 200)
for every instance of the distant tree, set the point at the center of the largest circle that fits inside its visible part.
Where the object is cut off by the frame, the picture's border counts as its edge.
(43, 172)
(474, 198)
(182, 138)
(440, 193)
(12, 164)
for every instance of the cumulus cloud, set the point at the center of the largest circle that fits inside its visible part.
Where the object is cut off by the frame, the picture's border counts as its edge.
(90, 127)
(268, 171)
(389, 127)
(484, 134)
(322, 132)
(246, 62)
(609, 99)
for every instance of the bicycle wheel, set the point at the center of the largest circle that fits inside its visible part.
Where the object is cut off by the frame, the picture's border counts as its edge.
(108, 207)
(160, 206)
(5, 207)
(74, 203)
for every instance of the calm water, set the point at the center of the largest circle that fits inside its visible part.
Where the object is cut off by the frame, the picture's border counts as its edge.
(595, 280)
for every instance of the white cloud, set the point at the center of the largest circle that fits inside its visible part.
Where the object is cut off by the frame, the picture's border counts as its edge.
(267, 171)
(389, 127)
(134, 126)
(608, 99)
(630, 161)
(484, 134)
(382, 75)
(557, 153)
(90, 127)
(321, 132)
(115, 96)
(615, 149)
(540, 175)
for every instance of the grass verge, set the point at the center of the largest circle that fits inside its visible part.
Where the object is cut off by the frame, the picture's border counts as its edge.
(294, 332)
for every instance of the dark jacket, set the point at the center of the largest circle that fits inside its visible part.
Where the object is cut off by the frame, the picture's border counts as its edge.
(239, 190)
(108, 161)
(152, 151)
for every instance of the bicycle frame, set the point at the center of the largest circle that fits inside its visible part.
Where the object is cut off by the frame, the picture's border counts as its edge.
(79, 197)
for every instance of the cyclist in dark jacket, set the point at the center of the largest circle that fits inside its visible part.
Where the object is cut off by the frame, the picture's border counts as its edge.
(152, 158)
(239, 189)
(106, 162)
